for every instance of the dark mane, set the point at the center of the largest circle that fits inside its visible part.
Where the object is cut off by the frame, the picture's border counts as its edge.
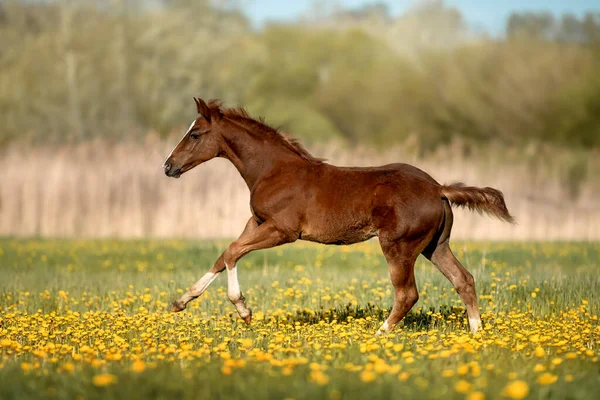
(259, 126)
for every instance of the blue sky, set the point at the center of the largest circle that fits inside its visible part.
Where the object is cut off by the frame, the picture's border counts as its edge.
(484, 14)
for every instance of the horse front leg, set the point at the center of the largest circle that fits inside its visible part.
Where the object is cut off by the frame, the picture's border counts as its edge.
(199, 287)
(267, 235)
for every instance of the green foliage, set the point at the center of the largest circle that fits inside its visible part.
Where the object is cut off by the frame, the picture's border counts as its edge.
(77, 70)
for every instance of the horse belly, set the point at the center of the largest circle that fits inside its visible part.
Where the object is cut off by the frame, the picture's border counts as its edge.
(329, 231)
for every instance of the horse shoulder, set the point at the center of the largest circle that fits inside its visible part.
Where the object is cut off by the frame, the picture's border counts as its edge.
(284, 190)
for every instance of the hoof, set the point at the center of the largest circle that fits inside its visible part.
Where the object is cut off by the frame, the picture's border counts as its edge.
(177, 306)
(248, 318)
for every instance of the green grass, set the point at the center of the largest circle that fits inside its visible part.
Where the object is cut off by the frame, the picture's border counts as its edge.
(67, 307)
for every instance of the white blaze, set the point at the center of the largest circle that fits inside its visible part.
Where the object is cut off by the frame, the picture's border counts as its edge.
(184, 135)
(190, 128)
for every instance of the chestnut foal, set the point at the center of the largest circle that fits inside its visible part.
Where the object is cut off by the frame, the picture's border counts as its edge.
(296, 196)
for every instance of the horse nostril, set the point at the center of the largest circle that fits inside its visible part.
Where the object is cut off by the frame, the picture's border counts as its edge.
(167, 167)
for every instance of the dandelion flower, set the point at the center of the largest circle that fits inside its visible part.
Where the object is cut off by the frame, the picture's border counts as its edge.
(547, 378)
(367, 376)
(516, 390)
(463, 386)
(104, 379)
(138, 366)
(476, 396)
(540, 352)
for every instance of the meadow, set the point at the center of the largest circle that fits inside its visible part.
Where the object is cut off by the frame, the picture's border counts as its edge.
(87, 319)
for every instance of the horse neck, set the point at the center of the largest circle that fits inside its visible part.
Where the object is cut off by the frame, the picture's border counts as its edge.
(253, 156)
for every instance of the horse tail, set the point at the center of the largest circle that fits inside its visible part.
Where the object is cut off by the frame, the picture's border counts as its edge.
(487, 199)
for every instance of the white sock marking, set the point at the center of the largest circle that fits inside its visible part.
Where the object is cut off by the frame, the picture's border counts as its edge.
(384, 328)
(475, 324)
(203, 284)
(233, 285)
(234, 293)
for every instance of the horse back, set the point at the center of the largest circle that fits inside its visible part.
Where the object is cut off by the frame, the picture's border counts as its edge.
(361, 201)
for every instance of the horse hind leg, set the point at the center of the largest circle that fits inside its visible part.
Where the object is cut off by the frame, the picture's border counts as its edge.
(440, 254)
(401, 258)
(463, 281)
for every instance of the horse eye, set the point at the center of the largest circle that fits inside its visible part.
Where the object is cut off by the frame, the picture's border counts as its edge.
(194, 136)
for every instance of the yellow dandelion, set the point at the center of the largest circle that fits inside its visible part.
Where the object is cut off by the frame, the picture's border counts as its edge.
(539, 368)
(540, 352)
(381, 367)
(319, 377)
(246, 343)
(68, 366)
(476, 396)
(516, 390)
(138, 366)
(39, 353)
(462, 369)
(462, 386)
(547, 378)
(104, 379)
(368, 376)
(226, 370)
(447, 373)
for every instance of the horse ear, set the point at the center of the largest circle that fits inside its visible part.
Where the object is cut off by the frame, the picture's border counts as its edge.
(202, 108)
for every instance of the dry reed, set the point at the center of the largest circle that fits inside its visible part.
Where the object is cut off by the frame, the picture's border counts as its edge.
(102, 189)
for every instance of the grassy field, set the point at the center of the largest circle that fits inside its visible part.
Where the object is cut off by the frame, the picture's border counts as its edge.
(87, 319)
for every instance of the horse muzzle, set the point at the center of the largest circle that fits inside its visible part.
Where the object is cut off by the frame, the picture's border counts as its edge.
(170, 171)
